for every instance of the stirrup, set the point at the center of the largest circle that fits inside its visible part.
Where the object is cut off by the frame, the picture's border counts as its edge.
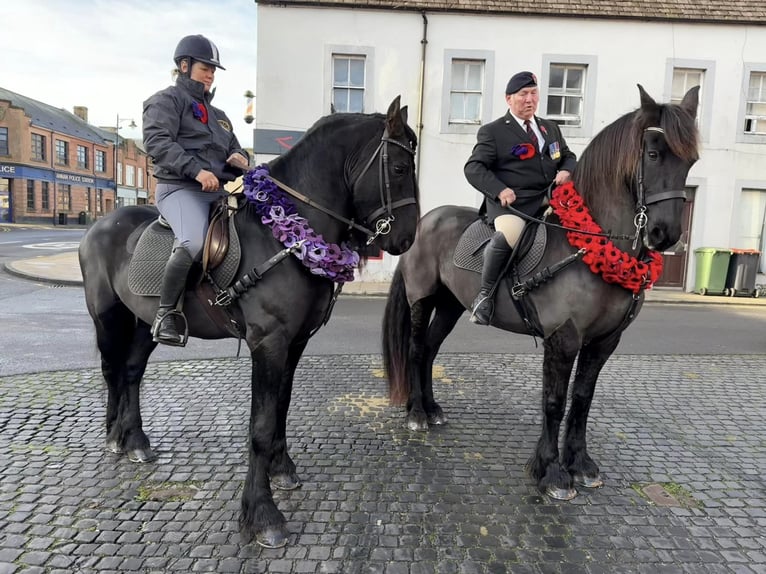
(478, 317)
(174, 315)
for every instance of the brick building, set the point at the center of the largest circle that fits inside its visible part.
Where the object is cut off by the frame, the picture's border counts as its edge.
(57, 168)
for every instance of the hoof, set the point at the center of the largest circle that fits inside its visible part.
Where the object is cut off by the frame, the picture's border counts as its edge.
(437, 420)
(414, 425)
(286, 482)
(274, 537)
(588, 481)
(114, 447)
(141, 455)
(561, 493)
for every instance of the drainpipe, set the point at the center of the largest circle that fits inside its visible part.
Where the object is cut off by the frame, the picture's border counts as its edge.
(421, 89)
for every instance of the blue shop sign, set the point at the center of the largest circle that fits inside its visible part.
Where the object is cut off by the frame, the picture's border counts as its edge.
(25, 172)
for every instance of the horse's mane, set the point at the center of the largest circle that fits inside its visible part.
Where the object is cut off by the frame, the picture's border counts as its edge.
(610, 162)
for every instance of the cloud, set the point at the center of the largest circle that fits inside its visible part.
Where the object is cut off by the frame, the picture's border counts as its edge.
(110, 56)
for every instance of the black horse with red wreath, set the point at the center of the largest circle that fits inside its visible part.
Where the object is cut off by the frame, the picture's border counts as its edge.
(578, 280)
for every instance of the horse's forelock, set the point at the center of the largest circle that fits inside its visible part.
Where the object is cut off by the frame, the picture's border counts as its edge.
(681, 132)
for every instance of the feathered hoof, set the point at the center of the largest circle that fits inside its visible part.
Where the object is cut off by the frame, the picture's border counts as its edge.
(561, 493)
(272, 537)
(286, 482)
(439, 419)
(114, 447)
(588, 481)
(141, 455)
(417, 425)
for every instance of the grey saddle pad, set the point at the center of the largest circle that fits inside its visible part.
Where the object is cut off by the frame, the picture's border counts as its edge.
(153, 250)
(469, 253)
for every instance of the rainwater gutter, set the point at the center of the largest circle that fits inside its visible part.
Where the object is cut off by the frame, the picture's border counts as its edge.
(421, 90)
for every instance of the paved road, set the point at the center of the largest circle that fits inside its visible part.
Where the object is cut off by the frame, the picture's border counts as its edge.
(377, 498)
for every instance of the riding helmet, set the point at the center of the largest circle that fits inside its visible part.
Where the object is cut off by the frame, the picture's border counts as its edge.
(198, 48)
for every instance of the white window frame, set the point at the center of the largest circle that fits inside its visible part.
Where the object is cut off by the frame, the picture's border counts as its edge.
(140, 177)
(487, 95)
(742, 135)
(760, 100)
(130, 175)
(705, 107)
(590, 64)
(363, 52)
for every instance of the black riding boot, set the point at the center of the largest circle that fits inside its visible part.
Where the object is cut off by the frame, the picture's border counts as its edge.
(495, 257)
(165, 330)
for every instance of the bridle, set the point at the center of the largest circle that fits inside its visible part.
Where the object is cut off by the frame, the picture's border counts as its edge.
(383, 225)
(645, 198)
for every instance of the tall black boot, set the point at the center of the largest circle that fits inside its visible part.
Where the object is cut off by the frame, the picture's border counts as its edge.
(496, 255)
(164, 329)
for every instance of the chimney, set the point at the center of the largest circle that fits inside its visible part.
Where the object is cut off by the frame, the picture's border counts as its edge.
(81, 112)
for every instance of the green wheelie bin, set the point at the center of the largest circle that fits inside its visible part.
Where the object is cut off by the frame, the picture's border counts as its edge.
(712, 268)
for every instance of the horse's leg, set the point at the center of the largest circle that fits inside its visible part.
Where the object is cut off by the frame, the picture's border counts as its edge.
(448, 311)
(575, 456)
(260, 518)
(420, 314)
(558, 359)
(125, 346)
(282, 469)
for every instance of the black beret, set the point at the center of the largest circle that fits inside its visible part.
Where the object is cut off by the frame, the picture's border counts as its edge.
(519, 81)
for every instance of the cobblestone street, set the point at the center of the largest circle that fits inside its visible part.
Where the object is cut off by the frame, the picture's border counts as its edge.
(376, 497)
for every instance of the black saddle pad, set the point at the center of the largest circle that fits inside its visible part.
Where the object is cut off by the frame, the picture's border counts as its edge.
(152, 252)
(469, 253)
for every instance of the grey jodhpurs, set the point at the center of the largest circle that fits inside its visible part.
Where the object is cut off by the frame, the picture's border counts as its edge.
(187, 208)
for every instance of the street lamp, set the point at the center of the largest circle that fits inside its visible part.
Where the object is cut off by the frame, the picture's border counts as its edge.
(116, 144)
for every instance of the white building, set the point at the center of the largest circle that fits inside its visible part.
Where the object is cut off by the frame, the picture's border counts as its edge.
(450, 61)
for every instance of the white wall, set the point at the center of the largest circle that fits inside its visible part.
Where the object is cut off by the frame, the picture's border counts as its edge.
(292, 87)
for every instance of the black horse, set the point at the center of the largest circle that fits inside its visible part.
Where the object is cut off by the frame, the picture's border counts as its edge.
(631, 177)
(356, 172)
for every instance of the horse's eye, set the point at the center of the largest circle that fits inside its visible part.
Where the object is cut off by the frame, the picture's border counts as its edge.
(653, 155)
(400, 169)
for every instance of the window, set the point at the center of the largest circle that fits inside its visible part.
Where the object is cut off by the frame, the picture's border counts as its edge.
(4, 141)
(119, 173)
(62, 152)
(566, 91)
(99, 201)
(141, 177)
(38, 147)
(467, 81)
(45, 197)
(348, 83)
(64, 196)
(755, 105)
(130, 175)
(685, 79)
(88, 205)
(752, 223)
(30, 195)
(100, 161)
(82, 157)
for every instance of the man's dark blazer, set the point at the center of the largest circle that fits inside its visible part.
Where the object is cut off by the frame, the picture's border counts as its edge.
(499, 160)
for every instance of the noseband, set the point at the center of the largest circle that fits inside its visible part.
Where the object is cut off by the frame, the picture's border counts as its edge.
(645, 198)
(386, 209)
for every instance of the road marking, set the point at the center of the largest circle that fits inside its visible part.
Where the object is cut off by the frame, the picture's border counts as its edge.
(9, 242)
(54, 245)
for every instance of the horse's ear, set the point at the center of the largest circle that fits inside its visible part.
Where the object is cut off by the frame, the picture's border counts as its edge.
(332, 108)
(404, 115)
(394, 123)
(691, 101)
(646, 100)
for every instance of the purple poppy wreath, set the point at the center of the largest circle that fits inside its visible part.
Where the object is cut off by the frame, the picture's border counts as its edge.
(335, 262)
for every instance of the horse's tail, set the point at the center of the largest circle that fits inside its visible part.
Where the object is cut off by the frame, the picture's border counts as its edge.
(396, 339)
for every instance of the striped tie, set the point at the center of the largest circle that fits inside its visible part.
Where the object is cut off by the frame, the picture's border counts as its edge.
(531, 134)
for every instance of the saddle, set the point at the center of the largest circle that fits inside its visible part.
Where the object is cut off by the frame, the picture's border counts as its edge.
(469, 253)
(151, 244)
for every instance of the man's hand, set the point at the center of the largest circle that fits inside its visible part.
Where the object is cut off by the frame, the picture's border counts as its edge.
(238, 160)
(562, 177)
(506, 197)
(208, 180)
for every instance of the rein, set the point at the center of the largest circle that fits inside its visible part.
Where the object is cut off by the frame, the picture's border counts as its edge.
(382, 225)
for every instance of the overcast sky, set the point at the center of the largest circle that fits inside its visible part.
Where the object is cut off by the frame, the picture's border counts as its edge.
(110, 55)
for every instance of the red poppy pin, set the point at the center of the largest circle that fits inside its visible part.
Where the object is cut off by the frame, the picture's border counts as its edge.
(523, 150)
(542, 129)
(199, 111)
